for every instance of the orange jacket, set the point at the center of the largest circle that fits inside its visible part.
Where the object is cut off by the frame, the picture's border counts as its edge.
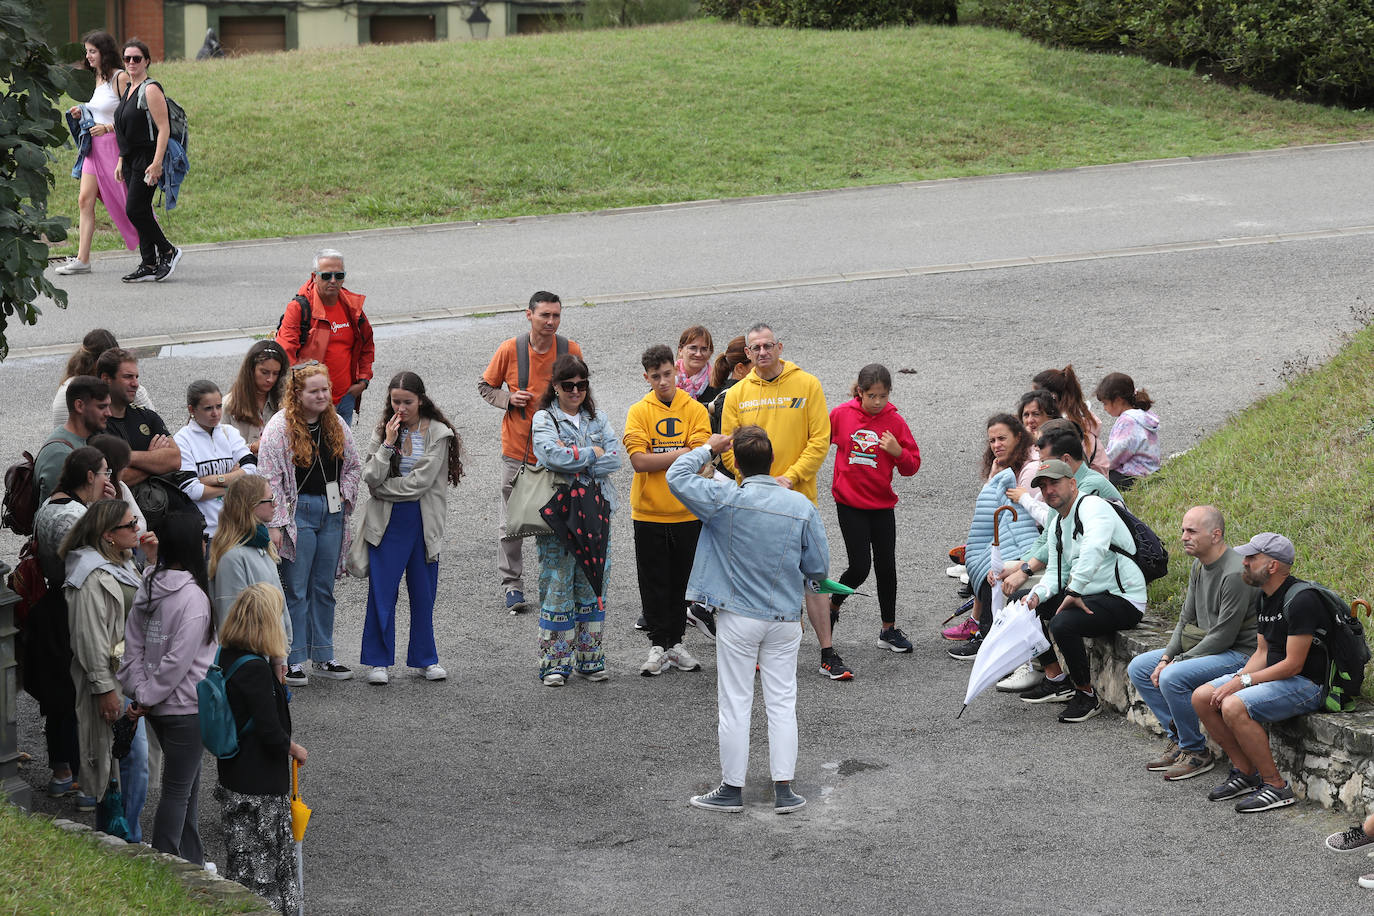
(317, 340)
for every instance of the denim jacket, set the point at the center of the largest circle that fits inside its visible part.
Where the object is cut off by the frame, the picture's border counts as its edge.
(81, 136)
(575, 456)
(759, 542)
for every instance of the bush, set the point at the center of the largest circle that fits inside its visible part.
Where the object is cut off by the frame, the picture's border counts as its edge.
(1318, 48)
(603, 14)
(833, 14)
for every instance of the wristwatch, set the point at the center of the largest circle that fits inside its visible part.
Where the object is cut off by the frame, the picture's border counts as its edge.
(220, 480)
(1025, 568)
(1245, 679)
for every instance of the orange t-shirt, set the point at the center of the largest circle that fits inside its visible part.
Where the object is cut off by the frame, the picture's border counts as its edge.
(504, 368)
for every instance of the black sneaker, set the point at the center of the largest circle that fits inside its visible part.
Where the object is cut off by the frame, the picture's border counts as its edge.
(834, 668)
(1048, 691)
(640, 622)
(1082, 707)
(333, 670)
(1266, 798)
(966, 651)
(893, 638)
(704, 619)
(1236, 785)
(142, 274)
(167, 264)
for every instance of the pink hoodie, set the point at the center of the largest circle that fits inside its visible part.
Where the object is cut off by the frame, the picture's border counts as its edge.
(168, 643)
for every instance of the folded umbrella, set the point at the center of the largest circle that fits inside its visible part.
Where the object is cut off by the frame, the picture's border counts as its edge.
(580, 515)
(1015, 637)
(831, 587)
(999, 600)
(300, 816)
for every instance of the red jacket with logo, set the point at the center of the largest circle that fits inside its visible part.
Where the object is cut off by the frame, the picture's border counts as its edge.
(317, 340)
(863, 470)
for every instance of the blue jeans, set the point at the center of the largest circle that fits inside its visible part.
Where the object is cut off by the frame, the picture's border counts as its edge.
(347, 404)
(402, 551)
(308, 580)
(1274, 701)
(133, 779)
(1172, 700)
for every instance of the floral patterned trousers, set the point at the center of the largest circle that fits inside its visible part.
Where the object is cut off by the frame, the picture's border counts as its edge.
(570, 617)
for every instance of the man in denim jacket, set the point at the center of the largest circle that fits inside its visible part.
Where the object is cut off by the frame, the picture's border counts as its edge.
(759, 544)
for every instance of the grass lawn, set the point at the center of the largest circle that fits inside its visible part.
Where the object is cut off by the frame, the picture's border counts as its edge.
(325, 141)
(1299, 462)
(46, 870)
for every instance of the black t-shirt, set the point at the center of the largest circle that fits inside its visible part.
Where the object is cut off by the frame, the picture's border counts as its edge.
(321, 471)
(1304, 615)
(137, 427)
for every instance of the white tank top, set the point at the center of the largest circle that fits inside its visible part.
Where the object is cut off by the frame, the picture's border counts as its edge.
(103, 103)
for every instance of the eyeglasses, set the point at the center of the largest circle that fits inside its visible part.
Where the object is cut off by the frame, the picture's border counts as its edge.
(127, 526)
(570, 387)
(133, 58)
(697, 349)
(327, 275)
(107, 472)
(762, 348)
(270, 499)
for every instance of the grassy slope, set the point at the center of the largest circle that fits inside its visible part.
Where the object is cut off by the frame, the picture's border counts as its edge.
(375, 136)
(1300, 462)
(44, 870)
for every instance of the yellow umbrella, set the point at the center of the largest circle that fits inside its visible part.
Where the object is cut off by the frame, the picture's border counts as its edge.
(300, 811)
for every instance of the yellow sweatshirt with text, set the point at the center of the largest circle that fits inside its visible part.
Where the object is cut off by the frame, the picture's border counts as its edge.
(792, 409)
(654, 427)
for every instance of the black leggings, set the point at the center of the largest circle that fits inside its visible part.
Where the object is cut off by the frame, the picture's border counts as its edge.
(152, 243)
(871, 533)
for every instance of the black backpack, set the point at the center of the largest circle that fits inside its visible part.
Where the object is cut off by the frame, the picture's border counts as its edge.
(1150, 554)
(1343, 644)
(179, 128)
(307, 316)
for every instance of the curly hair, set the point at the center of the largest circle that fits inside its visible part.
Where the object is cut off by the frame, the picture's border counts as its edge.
(104, 43)
(409, 381)
(298, 430)
(1020, 454)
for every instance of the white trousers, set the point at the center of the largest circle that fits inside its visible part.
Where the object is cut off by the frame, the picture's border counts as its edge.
(742, 642)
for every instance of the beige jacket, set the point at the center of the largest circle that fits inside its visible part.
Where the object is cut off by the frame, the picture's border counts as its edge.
(427, 483)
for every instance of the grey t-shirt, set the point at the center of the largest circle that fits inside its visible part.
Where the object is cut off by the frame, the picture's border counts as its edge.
(47, 464)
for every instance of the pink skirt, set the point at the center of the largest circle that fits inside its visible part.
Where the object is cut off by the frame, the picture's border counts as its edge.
(101, 161)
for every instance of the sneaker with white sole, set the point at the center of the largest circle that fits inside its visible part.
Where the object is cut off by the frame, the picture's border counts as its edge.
(1048, 691)
(1190, 764)
(962, 631)
(893, 638)
(515, 602)
(1349, 840)
(378, 676)
(296, 676)
(1082, 707)
(166, 265)
(833, 667)
(143, 273)
(966, 651)
(333, 670)
(721, 798)
(784, 799)
(1236, 785)
(1166, 759)
(681, 659)
(1367, 881)
(1266, 798)
(656, 663)
(434, 672)
(704, 619)
(599, 675)
(1022, 678)
(73, 266)
(554, 679)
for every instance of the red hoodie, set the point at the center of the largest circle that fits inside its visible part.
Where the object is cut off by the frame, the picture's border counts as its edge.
(863, 471)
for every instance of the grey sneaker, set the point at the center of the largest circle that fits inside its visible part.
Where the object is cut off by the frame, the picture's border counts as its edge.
(1350, 840)
(1166, 759)
(656, 662)
(1236, 785)
(1265, 798)
(681, 659)
(1189, 765)
(722, 798)
(73, 266)
(784, 799)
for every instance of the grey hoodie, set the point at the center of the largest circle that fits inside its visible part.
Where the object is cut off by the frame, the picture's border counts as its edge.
(169, 643)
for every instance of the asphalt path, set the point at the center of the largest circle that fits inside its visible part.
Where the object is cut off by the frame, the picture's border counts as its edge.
(490, 793)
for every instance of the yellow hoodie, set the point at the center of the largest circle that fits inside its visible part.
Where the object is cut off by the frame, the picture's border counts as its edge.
(652, 426)
(792, 409)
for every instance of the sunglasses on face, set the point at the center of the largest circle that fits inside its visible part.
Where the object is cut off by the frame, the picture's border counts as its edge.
(127, 526)
(327, 275)
(133, 58)
(570, 387)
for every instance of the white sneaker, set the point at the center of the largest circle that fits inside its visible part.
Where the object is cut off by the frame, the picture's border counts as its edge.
(681, 659)
(963, 578)
(554, 680)
(435, 673)
(379, 677)
(956, 570)
(1021, 679)
(653, 666)
(73, 266)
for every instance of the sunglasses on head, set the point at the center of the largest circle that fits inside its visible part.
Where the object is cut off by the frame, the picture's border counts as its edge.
(570, 387)
(327, 275)
(133, 58)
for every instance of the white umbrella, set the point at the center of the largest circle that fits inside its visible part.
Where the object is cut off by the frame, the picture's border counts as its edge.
(1015, 637)
(999, 600)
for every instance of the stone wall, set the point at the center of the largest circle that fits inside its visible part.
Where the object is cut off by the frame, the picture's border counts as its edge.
(1328, 758)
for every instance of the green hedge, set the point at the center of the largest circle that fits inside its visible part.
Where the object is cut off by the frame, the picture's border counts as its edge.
(1320, 48)
(833, 14)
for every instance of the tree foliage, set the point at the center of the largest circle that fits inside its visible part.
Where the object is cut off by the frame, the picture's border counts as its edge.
(34, 78)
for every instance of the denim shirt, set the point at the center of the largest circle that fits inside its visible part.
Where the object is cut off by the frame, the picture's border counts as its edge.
(81, 136)
(759, 542)
(575, 455)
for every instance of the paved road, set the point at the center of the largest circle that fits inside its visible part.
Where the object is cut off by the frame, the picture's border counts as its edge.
(490, 793)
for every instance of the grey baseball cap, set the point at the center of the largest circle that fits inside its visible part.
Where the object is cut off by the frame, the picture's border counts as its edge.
(1271, 545)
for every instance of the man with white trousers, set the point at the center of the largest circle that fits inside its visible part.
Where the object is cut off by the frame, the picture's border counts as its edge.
(759, 544)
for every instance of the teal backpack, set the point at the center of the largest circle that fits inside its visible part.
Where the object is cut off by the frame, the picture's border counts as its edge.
(217, 729)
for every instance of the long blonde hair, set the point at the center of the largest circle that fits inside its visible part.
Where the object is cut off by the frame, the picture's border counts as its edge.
(237, 522)
(298, 431)
(254, 622)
